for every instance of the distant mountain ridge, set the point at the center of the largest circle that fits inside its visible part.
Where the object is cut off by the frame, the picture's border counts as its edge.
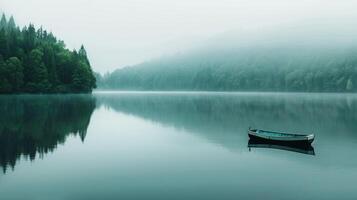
(308, 60)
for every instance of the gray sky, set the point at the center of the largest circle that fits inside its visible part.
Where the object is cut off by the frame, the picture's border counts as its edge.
(118, 33)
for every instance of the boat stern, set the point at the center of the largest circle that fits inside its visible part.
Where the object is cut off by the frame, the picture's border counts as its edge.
(311, 138)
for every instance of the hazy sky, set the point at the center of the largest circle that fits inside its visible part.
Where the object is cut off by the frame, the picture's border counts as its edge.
(117, 33)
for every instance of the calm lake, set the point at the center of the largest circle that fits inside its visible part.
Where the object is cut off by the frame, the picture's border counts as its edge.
(175, 145)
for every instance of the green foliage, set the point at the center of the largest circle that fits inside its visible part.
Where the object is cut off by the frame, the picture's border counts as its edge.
(3, 43)
(5, 86)
(34, 61)
(3, 22)
(37, 80)
(83, 78)
(15, 73)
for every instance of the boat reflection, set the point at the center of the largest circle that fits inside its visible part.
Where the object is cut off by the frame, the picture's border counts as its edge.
(304, 149)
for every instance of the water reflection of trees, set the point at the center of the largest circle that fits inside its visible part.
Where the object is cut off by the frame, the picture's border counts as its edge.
(225, 118)
(31, 125)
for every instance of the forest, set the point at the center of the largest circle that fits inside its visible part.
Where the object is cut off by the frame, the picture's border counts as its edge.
(35, 61)
(321, 64)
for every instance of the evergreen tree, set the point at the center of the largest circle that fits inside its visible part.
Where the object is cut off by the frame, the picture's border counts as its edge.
(37, 73)
(15, 73)
(3, 22)
(5, 86)
(81, 78)
(11, 24)
(83, 55)
(13, 41)
(50, 63)
(4, 48)
(29, 38)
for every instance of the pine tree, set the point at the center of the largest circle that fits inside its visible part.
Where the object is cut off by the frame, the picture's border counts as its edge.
(3, 22)
(36, 72)
(83, 55)
(4, 48)
(50, 62)
(84, 58)
(13, 42)
(5, 86)
(29, 38)
(81, 78)
(11, 24)
(15, 73)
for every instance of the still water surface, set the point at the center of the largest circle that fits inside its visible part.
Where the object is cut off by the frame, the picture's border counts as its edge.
(133, 145)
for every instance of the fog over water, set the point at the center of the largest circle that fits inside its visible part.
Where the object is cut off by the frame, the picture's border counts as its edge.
(122, 33)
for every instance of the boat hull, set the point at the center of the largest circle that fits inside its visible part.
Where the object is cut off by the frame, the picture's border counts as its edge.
(291, 139)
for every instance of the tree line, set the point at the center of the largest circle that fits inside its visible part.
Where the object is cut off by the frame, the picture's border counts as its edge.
(296, 68)
(35, 61)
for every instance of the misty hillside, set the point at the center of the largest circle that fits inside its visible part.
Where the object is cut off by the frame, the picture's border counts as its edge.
(301, 58)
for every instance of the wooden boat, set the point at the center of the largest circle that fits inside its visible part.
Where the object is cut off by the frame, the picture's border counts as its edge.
(277, 137)
(304, 149)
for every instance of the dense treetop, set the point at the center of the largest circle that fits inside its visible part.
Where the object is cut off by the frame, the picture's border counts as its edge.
(35, 61)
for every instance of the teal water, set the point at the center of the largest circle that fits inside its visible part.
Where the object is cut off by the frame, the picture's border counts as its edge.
(167, 145)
